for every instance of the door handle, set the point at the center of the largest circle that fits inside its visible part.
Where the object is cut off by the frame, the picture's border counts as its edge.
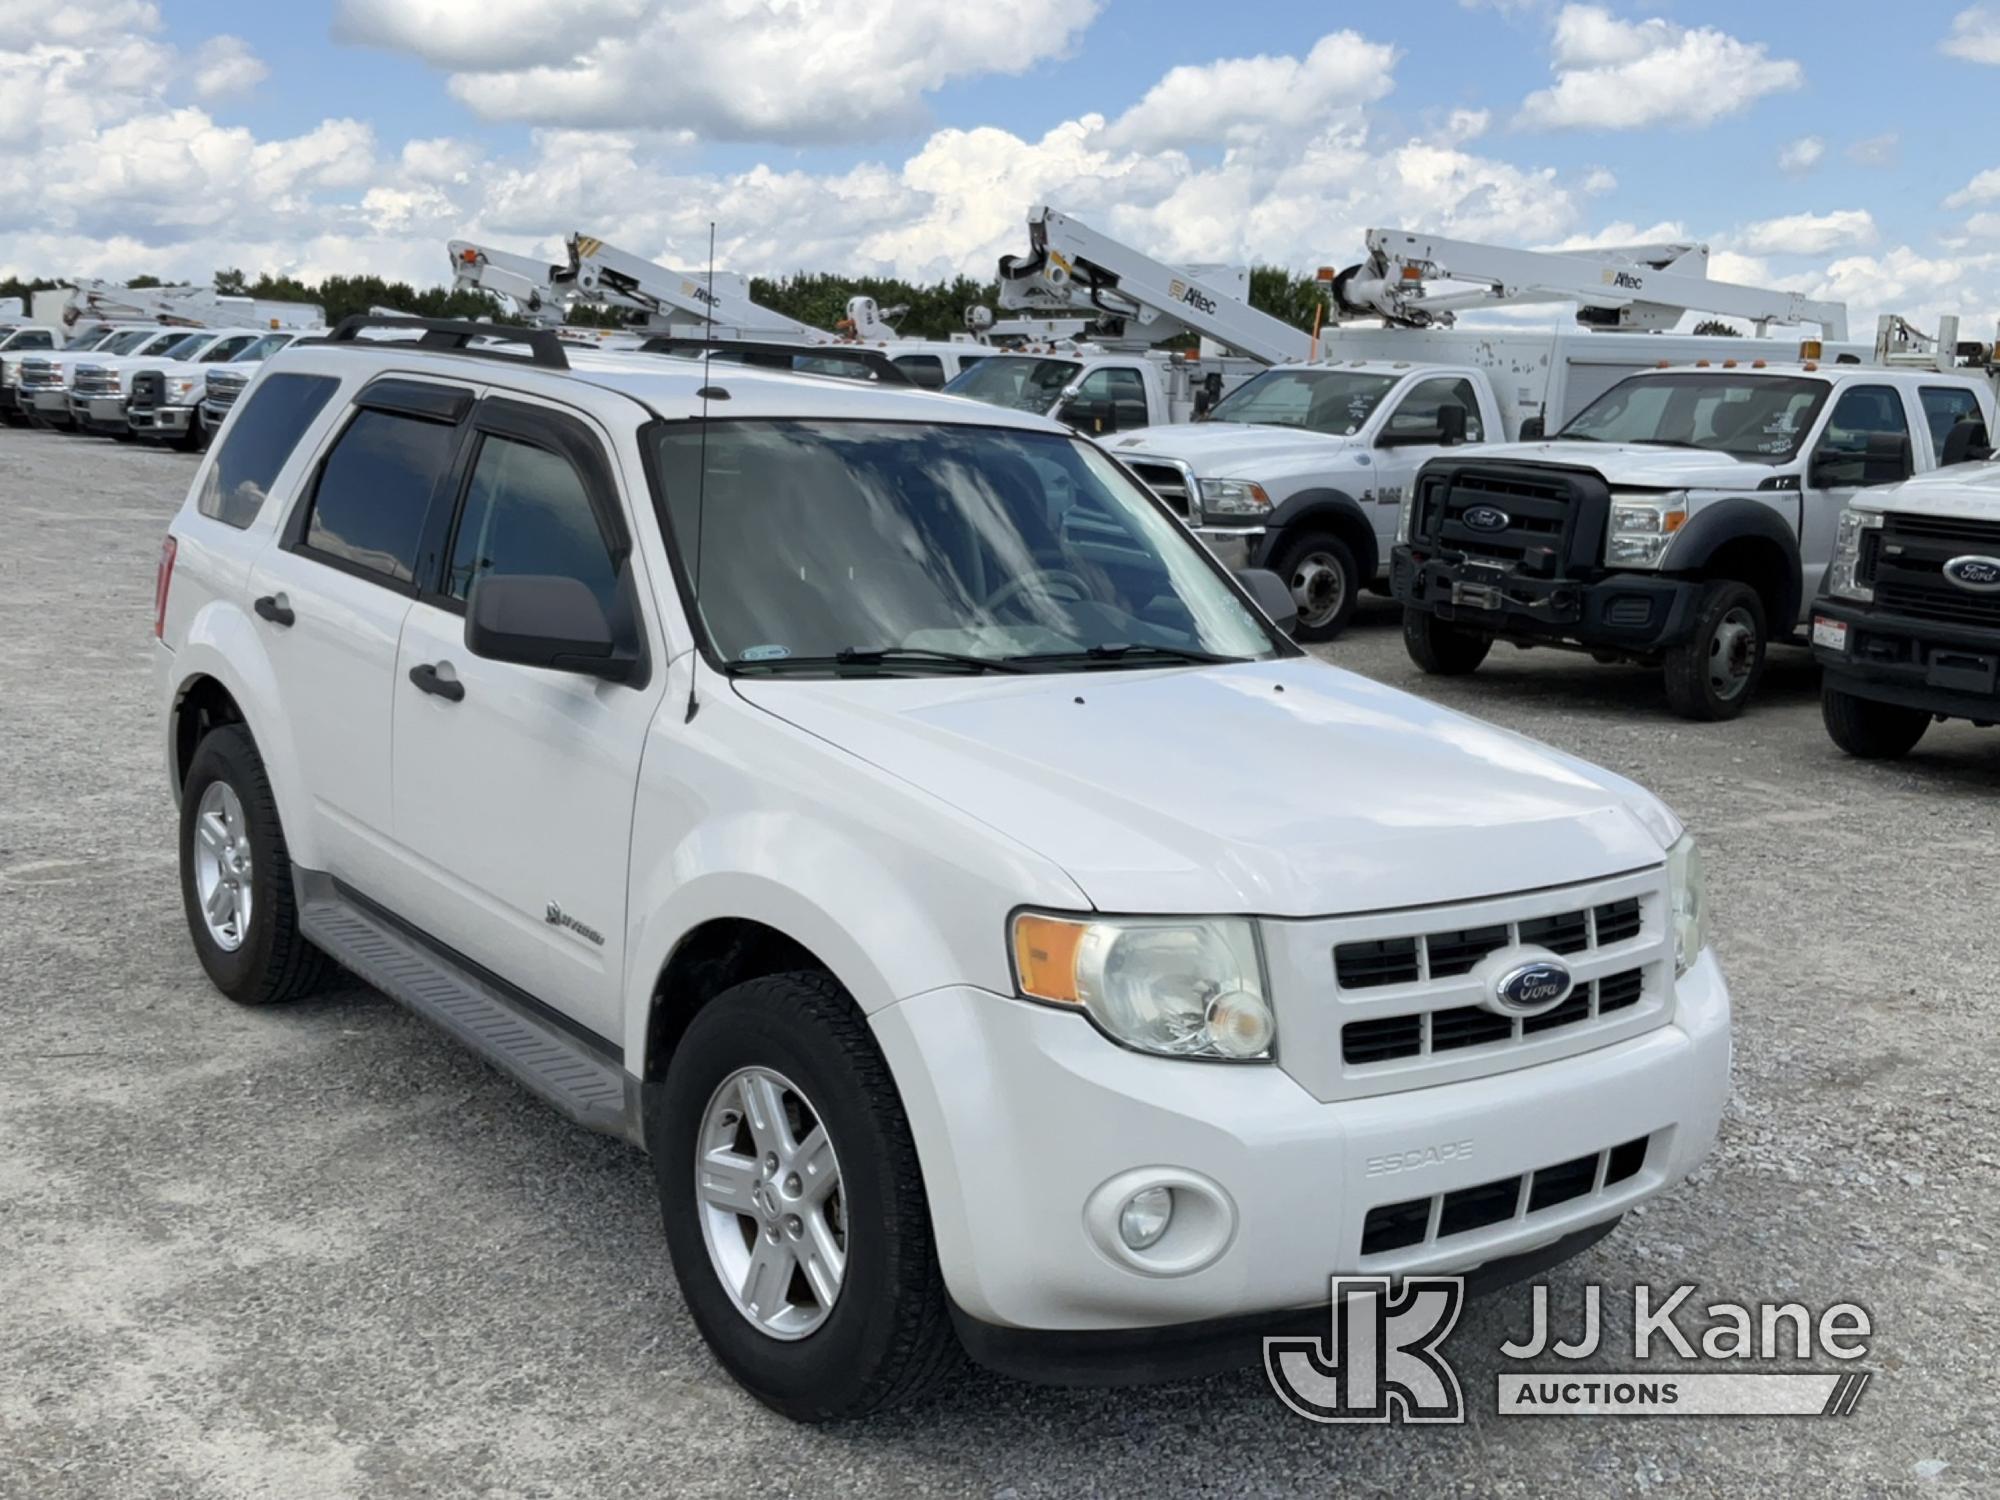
(273, 607)
(427, 680)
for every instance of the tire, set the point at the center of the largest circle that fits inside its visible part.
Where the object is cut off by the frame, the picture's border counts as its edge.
(1441, 647)
(1325, 581)
(1869, 730)
(885, 1334)
(1715, 673)
(269, 959)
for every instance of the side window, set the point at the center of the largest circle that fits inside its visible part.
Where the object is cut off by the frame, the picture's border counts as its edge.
(1867, 439)
(1945, 406)
(261, 439)
(374, 489)
(1112, 399)
(527, 512)
(1417, 420)
(926, 370)
(35, 338)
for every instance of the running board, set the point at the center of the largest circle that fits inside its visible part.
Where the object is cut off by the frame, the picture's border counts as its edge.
(571, 1074)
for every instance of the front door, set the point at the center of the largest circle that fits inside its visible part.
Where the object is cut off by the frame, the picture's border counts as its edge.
(514, 785)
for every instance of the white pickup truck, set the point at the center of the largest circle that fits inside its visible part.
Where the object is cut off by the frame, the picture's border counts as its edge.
(47, 379)
(805, 797)
(102, 395)
(166, 400)
(1100, 393)
(1683, 520)
(16, 342)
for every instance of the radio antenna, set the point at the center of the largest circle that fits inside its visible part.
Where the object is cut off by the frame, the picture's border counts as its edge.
(701, 480)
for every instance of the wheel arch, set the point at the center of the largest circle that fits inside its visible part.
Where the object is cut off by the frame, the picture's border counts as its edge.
(1748, 543)
(1325, 509)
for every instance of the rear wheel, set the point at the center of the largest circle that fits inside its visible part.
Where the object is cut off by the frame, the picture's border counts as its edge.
(1442, 648)
(1870, 730)
(1324, 579)
(795, 1206)
(1714, 674)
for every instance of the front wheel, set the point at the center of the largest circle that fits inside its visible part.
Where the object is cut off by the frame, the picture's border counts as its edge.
(794, 1203)
(1324, 579)
(1869, 730)
(1715, 673)
(1442, 648)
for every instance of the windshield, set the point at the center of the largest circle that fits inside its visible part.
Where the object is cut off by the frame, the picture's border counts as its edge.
(184, 347)
(956, 546)
(161, 343)
(1333, 401)
(1016, 382)
(1762, 417)
(263, 348)
(126, 342)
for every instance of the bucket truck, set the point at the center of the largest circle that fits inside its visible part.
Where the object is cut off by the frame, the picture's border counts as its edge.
(183, 306)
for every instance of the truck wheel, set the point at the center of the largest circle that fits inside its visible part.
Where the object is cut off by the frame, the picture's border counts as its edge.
(236, 877)
(1870, 730)
(1324, 580)
(794, 1203)
(1442, 648)
(1714, 674)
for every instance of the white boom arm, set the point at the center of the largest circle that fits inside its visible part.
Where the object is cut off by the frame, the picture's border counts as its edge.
(182, 306)
(1627, 286)
(681, 299)
(538, 291)
(1071, 266)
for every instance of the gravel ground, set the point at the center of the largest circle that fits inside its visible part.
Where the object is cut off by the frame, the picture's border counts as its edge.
(319, 1251)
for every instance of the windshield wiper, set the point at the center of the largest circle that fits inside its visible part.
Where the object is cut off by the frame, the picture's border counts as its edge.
(1121, 651)
(880, 656)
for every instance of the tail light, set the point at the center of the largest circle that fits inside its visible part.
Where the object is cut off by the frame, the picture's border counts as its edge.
(162, 581)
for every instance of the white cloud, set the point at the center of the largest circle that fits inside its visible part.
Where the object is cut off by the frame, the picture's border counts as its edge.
(1599, 180)
(1983, 188)
(1810, 234)
(1466, 125)
(1619, 75)
(1876, 150)
(225, 65)
(1240, 97)
(50, 23)
(1800, 156)
(1975, 35)
(796, 71)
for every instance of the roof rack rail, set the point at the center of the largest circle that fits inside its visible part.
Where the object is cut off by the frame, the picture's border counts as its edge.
(867, 364)
(457, 335)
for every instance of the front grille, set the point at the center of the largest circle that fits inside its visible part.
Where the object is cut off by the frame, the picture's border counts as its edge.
(1168, 481)
(223, 388)
(95, 380)
(1909, 568)
(149, 389)
(1387, 1038)
(1399, 1226)
(39, 374)
(1536, 512)
(1438, 955)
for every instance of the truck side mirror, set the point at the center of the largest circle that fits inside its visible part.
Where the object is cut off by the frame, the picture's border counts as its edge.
(1451, 424)
(1273, 596)
(1887, 460)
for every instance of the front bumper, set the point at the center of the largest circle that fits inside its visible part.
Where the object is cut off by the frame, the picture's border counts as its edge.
(1022, 1114)
(1637, 612)
(160, 421)
(49, 401)
(98, 413)
(1235, 547)
(1940, 668)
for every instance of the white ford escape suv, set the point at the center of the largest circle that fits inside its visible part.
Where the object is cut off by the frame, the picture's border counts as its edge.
(882, 809)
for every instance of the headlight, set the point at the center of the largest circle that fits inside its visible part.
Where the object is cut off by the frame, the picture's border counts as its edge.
(1845, 578)
(1687, 896)
(1641, 527)
(180, 385)
(1406, 516)
(1232, 497)
(1180, 986)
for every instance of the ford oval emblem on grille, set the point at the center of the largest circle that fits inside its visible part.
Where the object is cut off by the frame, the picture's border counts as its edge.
(1979, 574)
(1529, 989)
(1487, 518)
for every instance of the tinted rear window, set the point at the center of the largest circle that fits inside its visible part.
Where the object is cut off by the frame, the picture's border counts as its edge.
(273, 419)
(374, 489)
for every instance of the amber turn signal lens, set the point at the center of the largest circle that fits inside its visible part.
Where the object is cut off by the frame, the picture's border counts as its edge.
(1045, 956)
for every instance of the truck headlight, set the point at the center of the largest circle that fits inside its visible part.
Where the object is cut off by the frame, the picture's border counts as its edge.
(1232, 497)
(1176, 986)
(1406, 515)
(1641, 527)
(1687, 899)
(1844, 578)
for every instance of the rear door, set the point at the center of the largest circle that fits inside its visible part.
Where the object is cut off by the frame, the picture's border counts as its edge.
(513, 788)
(330, 596)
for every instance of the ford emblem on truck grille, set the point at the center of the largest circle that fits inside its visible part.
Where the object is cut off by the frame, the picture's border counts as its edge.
(1529, 989)
(1980, 574)
(1487, 518)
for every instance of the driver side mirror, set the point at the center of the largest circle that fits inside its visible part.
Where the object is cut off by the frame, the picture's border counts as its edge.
(1273, 596)
(1451, 424)
(556, 623)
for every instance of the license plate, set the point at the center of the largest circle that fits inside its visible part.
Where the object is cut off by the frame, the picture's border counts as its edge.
(1830, 633)
(1961, 671)
(1475, 596)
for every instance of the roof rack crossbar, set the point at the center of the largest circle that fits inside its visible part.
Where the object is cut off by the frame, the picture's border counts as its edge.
(770, 355)
(457, 336)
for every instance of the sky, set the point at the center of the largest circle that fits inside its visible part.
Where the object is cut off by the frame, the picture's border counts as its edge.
(1822, 147)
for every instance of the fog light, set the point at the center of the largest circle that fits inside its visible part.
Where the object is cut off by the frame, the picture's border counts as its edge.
(1145, 1217)
(1239, 1024)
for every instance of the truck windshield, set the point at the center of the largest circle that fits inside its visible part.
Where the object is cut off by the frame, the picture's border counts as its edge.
(126, 342)
(1016, 382)
(1333, 401)
(1761, 417)
(186, 347)
(871, 548)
